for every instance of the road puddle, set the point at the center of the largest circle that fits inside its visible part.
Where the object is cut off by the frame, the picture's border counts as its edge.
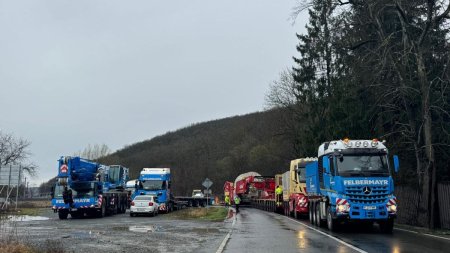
(144, 229)
(81, 235)
(205, 230)
(25, 218)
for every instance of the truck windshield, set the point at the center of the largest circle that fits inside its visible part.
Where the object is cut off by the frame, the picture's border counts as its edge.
(115, 173)
(153, 185)
(301, 172)
(362, 165)
(59, 189)
(83, 189)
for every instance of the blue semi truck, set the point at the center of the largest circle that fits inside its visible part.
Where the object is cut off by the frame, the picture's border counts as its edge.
(86, 188)
(352, 182)
(157, 182)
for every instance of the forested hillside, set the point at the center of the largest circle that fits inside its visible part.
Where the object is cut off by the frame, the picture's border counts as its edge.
(219, 149)
(375, 69)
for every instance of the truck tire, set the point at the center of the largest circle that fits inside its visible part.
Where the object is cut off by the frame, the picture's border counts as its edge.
(320, 221)
(62, 214)
(291, 212)
(317, 214)
(311, 212)
(102, 210)
(295, 210)
(387, 226)
(332, 224)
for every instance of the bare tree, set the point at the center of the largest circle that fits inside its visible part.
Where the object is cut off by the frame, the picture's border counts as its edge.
(94, 152)
(282, 92)
(15, 150)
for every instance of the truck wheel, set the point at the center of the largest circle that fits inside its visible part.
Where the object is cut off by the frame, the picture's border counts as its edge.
(332, 224)
(387, 226)
(63, 214)
(320, 221)
(103, 210)
(295, 210)
(317, 214)
(310, 211)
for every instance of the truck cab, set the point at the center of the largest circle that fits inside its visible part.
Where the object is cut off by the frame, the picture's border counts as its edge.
(352, 182)
(295, 197)
(197, 194)
(157, 182)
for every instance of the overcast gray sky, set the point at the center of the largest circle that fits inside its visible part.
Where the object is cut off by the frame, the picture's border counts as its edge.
(74, 73)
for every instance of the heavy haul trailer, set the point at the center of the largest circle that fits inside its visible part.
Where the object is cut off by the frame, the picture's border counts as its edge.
(295, 197)
(352, 182)
(86, 188)
(267, 200)
(182, 201)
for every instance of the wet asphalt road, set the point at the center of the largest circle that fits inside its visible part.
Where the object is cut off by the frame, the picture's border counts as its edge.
(259, 231)
(253, 231)
(120, 233)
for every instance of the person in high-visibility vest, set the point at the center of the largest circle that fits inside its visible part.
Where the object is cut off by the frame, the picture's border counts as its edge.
(279, 195)
(237, 201)
(227, 200)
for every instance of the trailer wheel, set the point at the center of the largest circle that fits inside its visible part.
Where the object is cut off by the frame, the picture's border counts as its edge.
(62, 214)
(332, 224)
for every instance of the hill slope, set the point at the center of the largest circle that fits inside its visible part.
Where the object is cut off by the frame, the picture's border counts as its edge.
(219, 149)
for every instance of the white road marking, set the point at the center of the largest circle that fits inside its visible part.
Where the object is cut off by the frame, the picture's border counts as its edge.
(435, 236)
(330, 236)
(227, 237)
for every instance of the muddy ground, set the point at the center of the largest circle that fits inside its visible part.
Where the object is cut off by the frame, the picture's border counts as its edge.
(118, 233)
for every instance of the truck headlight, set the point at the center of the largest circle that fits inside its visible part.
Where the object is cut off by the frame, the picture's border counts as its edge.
(392, 208)
(343, 208)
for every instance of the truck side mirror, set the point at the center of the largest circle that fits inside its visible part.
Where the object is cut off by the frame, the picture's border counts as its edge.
(326, 164)
(396, 163)
(52, 193)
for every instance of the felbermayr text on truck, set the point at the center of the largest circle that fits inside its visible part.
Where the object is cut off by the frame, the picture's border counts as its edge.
(352, 182)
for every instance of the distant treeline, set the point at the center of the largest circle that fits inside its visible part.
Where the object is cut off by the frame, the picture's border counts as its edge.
(220, 150)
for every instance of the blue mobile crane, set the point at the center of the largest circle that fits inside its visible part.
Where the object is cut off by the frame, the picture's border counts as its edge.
(86, 188)
(352, 182)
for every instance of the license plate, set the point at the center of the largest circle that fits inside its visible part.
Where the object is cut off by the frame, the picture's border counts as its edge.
(370, 208)
(141, 209)
(73, 209)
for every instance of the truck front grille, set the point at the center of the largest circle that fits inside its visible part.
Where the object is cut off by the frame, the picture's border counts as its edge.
(360, 195)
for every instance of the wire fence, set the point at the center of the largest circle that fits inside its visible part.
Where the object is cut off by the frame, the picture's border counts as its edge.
(10, 180)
